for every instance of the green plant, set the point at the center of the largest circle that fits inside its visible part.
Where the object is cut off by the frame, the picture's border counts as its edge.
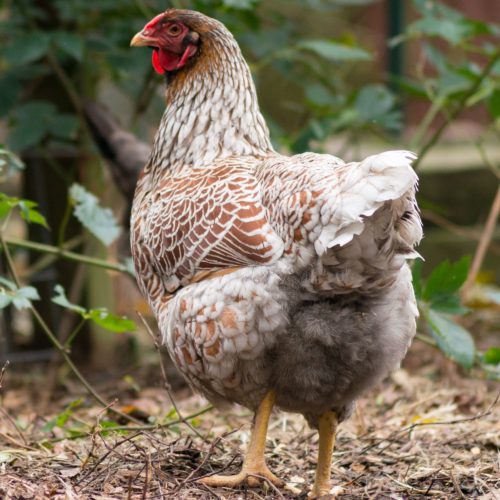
(79, 45)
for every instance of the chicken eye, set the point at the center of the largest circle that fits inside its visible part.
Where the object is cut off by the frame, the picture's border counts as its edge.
(174, 30)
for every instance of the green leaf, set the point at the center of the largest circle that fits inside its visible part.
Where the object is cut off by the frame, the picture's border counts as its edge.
(10, 90)
(492, 356)
(22, 136)
(335, 51)
(61, 300)
(23, 297)
(445, 279)
(319, 95)
(452, 339)
(452, 31)
(7, 203)
(494, 104)
(70, 43)
(7, 283)
(450, 304)
(100, 316)
(20, 297)
(26, 48)
(27, 208)
(416, 272)
(98, 220)
(64, 126)
(5, 299)
(62, 418)
(9, 163)
(30, 214)
(374, 105)
(31, 124)
(35, 120)
(112, 322)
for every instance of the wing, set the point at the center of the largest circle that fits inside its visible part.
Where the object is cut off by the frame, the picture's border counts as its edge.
(321, 201)
(205, 220)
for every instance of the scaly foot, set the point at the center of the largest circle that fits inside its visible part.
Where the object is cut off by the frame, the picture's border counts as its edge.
(318, 492)
(252, 476)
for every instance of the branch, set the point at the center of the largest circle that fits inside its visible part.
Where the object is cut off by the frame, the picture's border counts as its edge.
(462, 104)
(65, 254)
(133, 428)
(484, 243)
(52, 337)
(461, 231)
(166, 383)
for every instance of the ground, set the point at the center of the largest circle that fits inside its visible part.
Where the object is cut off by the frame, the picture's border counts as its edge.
(424, 432)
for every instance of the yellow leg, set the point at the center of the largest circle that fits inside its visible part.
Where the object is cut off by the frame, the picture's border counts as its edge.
(254, 465)
(327, 429)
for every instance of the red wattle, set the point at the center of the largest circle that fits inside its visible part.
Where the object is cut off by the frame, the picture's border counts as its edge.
(163, 60)
(156, 63)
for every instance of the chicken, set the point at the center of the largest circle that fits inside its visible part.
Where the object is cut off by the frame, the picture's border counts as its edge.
(276, 281)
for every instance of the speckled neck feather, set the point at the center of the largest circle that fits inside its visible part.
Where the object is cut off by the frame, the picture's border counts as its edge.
(212, 109)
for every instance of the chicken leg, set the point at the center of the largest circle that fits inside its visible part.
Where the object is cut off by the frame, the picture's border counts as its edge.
(327, 429)
(254, 466)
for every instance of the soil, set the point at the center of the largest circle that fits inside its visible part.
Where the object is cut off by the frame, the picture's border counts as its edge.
(428, 431)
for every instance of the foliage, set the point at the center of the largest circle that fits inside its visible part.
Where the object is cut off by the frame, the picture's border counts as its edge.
(100, 316)
(82, 44)
(20, 297)
(27, 209)
(9, 163)
(99, 221)
(440, 305)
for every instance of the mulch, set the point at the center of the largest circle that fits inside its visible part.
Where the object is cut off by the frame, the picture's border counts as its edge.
(425, 432)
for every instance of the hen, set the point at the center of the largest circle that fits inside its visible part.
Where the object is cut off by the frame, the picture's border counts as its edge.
(275, 280)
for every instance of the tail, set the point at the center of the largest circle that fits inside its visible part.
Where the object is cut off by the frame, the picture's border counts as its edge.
(366, 187)
(125, 154)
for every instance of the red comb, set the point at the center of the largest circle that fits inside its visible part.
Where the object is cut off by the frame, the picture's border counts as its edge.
(153, 21)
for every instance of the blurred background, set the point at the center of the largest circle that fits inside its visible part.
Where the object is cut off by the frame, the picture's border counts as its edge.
(347, 77)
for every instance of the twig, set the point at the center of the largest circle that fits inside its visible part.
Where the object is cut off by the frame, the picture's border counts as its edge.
(134, 428)
(52, 337)
(47, 259)
(13, 423)
(456, 486)
(495, 170)
(458, 420)
(462, 104)
(13, 441)
(2, 372)
(453, 228)
(273, 487)
(393, 437)
(66, 336)
(426, 492)
(214, 443)
(146, 480)
(484, 242)
(427, 340)
(166, 383)
(101, 459)
(65, 254)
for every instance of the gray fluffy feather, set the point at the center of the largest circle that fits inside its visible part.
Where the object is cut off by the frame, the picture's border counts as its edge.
(334, 349)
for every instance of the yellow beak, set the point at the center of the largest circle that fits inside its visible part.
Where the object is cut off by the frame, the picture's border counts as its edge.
(140, 40)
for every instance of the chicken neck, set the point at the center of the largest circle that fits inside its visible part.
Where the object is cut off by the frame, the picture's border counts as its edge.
(212, 111)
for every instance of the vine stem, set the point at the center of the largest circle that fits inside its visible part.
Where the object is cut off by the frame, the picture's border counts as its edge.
(483, 245)
(457, 110)
(138, 428)
(65, 254)
(52, 337)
